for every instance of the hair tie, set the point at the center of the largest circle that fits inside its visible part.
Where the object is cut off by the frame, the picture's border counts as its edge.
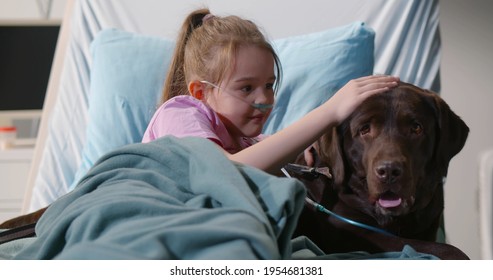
(207, 17)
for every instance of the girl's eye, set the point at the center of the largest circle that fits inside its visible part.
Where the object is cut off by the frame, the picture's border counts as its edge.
(269, 86)
(365, 129)
(247, 89)
(416, 128)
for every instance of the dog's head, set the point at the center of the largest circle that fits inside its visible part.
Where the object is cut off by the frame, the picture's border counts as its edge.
(393, 152)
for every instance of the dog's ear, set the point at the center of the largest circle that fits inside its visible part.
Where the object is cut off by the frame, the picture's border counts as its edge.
(452, 133)
(331, 155)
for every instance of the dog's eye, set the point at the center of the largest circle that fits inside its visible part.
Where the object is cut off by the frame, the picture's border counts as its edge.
(365, 129)
(416, 128)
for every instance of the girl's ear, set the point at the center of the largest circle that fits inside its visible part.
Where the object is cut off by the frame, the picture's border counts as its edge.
(196, 89)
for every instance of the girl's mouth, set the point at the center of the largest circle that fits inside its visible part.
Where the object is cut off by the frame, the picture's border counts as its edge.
(258, 118)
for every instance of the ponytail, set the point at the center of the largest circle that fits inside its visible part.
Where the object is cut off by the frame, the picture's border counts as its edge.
(206, 50)
(175, 83)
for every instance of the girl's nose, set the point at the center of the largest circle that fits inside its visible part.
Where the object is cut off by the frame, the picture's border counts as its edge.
(264, 100)
(264, 96)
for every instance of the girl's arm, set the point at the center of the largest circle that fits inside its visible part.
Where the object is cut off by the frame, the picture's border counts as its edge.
(278, 149)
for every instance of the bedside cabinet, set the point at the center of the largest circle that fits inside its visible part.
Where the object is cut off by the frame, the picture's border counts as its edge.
(14, 170)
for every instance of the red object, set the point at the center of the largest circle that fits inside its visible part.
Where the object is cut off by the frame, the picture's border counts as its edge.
(7, 128)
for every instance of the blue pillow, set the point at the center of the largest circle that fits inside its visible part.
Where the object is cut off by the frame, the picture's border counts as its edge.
(127, 78)
(128, 72)
(316, 66)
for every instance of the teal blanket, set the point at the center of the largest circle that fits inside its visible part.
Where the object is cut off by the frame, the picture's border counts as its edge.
(171, 199)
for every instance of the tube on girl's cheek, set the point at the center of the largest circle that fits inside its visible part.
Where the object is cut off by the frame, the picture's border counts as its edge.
(262, 107)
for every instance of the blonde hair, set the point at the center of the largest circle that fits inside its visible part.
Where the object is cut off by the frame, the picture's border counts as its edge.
(206, 48)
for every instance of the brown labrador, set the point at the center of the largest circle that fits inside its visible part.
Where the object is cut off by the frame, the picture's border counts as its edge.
(388, 162)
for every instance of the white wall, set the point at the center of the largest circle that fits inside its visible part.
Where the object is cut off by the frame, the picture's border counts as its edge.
(31, 9)
(466, 73)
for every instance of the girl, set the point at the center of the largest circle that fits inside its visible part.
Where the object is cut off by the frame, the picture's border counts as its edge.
(221, 86)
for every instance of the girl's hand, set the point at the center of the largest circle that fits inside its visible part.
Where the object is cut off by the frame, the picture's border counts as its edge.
(355, 91)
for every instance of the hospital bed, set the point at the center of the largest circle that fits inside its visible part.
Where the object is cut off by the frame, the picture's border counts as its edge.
(112, 57)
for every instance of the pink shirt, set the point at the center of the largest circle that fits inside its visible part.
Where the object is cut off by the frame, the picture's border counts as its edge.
(184, 116)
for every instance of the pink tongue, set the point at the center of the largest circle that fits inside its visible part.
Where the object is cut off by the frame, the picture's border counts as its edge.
(389, 203)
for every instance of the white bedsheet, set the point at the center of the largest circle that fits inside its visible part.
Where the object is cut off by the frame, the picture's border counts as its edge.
(407, 45)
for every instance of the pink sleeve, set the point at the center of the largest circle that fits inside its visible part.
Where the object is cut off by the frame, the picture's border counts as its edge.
(182, 117)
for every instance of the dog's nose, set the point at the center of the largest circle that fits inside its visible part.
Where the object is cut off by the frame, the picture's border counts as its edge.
(388, 172)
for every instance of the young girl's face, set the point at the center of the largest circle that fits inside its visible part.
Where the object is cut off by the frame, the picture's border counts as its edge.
(251, 82)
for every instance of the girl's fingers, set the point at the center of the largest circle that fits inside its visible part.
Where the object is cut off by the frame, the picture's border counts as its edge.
(372, 86)
(381, 77)
(357, 90)
(378, 83)
(376, 79)
(375, 91)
